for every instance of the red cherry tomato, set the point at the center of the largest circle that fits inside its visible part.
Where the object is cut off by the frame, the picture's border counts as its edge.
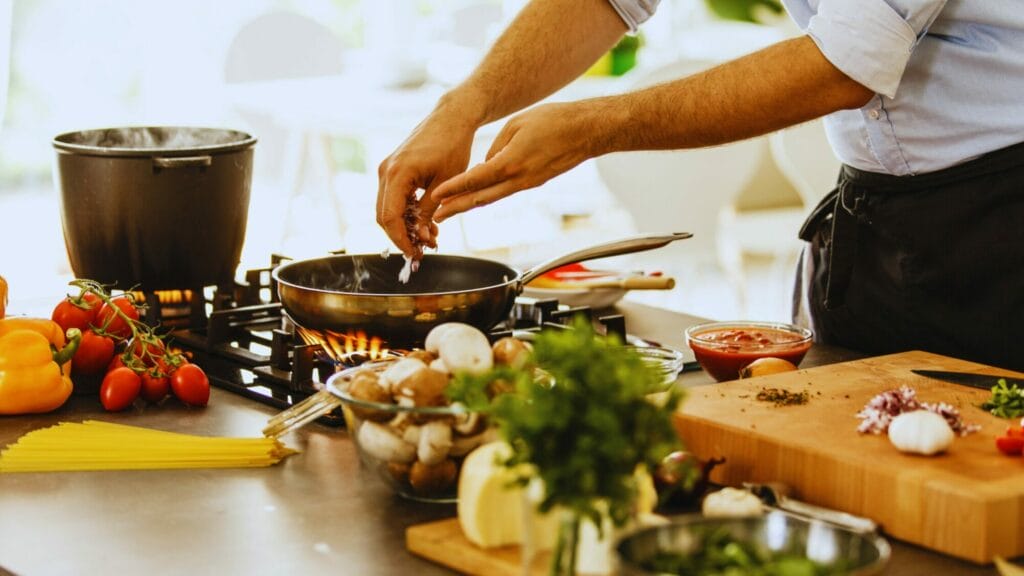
(112, 322)
(1010, 445)
(154, 387)
(150, 351)
(80, 313)
(190, 384)
(94, 354)
(119, 389)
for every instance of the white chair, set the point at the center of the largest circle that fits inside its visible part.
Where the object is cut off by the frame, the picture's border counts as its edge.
(680, 190)
(804, 157)
(282, 46)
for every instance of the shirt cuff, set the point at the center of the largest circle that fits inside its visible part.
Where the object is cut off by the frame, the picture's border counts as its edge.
(634, 12)
(867, 40)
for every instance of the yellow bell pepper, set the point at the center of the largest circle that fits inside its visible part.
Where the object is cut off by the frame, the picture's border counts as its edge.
(35, 365)
(3, 297)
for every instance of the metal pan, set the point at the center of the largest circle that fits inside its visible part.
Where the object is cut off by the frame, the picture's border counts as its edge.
(355, 292)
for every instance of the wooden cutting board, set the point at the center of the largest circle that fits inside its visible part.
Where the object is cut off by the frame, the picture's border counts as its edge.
(442, 541)
(968, 502)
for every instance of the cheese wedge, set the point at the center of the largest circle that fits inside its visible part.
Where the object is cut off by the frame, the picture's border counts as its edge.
(491, 509)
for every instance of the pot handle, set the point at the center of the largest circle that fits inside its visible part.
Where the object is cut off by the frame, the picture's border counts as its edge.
(181, 161)
(624, 246)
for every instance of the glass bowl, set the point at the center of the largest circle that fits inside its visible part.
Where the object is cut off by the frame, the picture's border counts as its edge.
(416, 450)
(725, 348)
(666, 361)
(696, 545)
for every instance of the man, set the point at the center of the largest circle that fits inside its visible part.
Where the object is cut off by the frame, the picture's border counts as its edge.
(921, 245)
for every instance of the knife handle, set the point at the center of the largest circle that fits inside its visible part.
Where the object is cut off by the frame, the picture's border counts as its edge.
(855, 523)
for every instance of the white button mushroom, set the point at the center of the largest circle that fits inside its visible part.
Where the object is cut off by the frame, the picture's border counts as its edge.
(435, 441)
(920, 432)
(382, 444)
(398, 371)
(465, 349)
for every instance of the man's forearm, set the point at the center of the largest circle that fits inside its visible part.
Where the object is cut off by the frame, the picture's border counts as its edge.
(550, 43)
(782, 85)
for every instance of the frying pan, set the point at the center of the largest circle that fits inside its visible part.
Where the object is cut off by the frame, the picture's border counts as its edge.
(353, 292)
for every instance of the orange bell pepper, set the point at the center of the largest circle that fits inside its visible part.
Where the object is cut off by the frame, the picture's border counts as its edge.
(35, 365)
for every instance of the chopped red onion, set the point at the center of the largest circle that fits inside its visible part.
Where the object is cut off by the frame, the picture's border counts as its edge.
(879, 411)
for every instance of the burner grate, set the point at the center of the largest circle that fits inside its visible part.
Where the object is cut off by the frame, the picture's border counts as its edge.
(248, 345)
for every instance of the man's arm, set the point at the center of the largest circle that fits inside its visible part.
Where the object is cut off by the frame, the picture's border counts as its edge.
(785, 84)
(548, 44)
(782, 85)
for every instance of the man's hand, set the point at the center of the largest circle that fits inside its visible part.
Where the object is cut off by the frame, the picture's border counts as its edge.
(437, 149)
(532, 148)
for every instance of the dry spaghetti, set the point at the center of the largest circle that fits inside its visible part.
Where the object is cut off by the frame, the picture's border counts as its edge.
(95, 445)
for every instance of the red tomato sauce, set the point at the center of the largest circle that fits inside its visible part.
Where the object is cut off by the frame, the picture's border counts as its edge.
(723, 352)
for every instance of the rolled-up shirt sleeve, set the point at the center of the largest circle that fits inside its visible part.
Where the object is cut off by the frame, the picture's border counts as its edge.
(634, 12)
(872, 40)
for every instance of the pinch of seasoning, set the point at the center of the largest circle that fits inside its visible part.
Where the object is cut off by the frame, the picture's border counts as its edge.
(782, 397)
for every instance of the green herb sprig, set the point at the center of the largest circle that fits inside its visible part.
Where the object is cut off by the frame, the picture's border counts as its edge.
(1007, 400)
(586, 433)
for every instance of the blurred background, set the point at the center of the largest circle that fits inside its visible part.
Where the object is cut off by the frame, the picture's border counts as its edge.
(330, 87)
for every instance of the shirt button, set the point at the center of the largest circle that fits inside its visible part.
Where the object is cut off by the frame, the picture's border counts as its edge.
(874, 114)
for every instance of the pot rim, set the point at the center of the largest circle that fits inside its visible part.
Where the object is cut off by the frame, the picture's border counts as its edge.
(240, 141)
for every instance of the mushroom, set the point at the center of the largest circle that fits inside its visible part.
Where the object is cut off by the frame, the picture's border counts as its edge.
(399, 371)
(379, 442)
(468, 424)
(422, 355)
(365, 385)
(399, 471)
(425, 387)
(465, 349)
(433, 341)
(509, 351)
(411, 434)
(435, 440)
(430, 479)
(462, 445)
(440, 366)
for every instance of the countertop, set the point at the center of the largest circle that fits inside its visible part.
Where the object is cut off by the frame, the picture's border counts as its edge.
(316, 512)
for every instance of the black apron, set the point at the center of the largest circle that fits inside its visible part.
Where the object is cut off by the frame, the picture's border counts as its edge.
(929, 262)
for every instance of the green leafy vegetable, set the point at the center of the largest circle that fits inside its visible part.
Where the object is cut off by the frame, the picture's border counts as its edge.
(1007, 400)
(721, 554)
(586, 433)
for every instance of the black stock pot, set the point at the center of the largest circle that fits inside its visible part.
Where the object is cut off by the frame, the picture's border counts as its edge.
(154, 207)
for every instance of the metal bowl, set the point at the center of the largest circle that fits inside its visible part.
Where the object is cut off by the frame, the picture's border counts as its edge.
(774, 537)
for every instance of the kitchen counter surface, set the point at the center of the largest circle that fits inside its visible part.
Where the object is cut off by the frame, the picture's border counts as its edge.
(316, 512)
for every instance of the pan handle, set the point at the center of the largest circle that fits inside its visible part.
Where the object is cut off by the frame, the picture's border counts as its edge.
(624, 246)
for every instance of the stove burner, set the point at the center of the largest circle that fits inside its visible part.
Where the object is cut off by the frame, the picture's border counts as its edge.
(247, 344)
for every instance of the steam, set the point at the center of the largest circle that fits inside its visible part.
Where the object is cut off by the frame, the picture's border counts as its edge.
(155, 138)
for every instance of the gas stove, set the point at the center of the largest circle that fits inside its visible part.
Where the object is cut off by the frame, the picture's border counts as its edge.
(246, 343)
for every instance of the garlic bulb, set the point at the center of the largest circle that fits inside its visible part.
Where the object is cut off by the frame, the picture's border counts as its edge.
(920, 432)
(731, 503)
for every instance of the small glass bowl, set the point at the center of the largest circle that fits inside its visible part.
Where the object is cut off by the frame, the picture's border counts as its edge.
(725, 348)
(667, 361)
(387, 446)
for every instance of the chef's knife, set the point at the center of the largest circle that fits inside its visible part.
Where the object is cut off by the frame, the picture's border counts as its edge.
(972, 379)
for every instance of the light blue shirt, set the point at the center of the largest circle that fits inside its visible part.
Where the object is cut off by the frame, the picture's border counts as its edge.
(948, 76)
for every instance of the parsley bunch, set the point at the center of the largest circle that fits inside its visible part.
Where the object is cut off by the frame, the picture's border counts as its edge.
(1007, 400)
(587, 428)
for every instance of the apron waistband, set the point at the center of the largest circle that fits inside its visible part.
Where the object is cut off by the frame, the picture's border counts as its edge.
(846, 207)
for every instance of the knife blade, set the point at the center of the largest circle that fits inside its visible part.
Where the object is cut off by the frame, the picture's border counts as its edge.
(972, 379)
